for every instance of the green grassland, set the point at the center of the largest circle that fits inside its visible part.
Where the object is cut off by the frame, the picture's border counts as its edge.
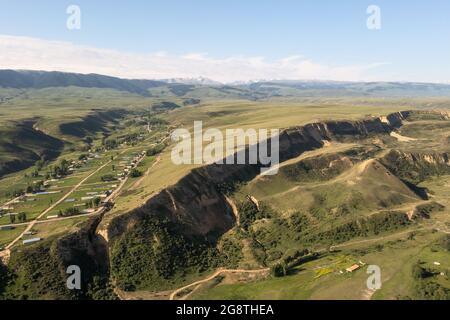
(355, 210)
(6, 236)
(307, 200)
(322, 278)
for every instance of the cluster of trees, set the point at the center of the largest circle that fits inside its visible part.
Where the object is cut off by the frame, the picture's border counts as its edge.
(153, 151)
(165, 106)
(249, 213)
(425, 210)
(231, 253)
(135, 173)
(191, 101)
(419, 272)
(36, 187)
(289, 262)
(69, 212)
(375, 224)
(299, 222)
(316, 169)
(110, 144)
(130, 138)
(155, 254)
(94, 203)
(229, 187)
(157, 122)
(430, 290)
(425, 287)
(4, 277)
(15, 193)
(21, 218)
(60, 170)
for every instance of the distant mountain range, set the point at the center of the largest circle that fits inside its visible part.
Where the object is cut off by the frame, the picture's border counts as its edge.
(194, 81)
(21, 79)
(206, 88)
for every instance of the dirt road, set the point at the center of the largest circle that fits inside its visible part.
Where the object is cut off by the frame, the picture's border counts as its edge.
(61, 200)
(216, 274)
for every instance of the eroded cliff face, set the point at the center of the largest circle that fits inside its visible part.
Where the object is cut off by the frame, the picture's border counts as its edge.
(40, 271)
(416, 167)
(194, 213)
(198, 202)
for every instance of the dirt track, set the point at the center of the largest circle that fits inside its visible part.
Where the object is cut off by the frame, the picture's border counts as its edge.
(216, 274)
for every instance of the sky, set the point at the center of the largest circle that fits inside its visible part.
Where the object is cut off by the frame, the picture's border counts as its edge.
(231, 40)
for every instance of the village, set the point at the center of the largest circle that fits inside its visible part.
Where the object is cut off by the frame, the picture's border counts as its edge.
(83, 186)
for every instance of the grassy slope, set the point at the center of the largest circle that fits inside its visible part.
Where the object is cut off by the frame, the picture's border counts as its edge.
(244, 114)
(395, 252)
(224, 114)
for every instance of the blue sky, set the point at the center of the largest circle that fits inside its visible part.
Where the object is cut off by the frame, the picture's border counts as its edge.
(331, 36)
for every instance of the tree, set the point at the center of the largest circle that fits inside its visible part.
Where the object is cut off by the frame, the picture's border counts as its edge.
(279, 270)
(97, 202)
(12, 218)
(420, 272)
(156, 150)
(135, 173)
(22, 217)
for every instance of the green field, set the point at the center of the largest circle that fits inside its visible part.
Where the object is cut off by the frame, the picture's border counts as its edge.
(358, 199)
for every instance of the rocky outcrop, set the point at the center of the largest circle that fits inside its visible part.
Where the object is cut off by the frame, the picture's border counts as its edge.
(415, 167)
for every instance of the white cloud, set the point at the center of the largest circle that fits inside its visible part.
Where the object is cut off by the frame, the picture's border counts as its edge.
(38, 54)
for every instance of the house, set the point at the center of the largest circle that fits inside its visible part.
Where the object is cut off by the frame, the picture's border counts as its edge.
(11, 214)
(29, 241)
(353, 268)
(5, 228)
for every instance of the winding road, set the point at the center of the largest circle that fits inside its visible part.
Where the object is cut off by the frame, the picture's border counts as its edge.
(214, 275)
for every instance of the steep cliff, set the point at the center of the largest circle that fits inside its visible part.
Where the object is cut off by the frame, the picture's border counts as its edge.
(195, 209)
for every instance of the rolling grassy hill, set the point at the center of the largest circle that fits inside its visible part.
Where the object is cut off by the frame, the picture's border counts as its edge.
(40, 79)
(21, 145)
(24, 79)
(348, 190)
